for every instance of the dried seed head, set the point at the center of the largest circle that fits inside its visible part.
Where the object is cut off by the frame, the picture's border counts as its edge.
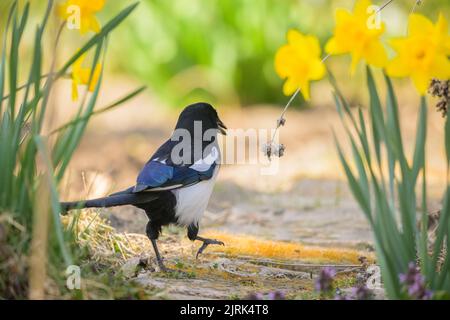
(275, 149)
(281, 122)
(279, 150)
(267, 150)
(440, 89)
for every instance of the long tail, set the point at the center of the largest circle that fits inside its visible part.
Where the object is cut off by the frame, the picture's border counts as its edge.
(125, 197)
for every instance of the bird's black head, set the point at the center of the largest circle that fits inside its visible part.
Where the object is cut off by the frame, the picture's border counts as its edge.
(203, 112)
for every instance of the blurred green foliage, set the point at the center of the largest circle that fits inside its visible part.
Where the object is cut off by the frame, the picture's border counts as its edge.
(217, 50)
(223, 50)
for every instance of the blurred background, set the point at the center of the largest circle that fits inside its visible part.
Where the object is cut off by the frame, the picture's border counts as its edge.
(221, 51)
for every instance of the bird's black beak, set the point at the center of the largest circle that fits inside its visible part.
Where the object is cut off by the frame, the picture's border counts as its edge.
(222, 127)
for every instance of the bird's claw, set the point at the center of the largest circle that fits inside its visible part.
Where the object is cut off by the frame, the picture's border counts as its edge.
(162, 267)
(207, 242)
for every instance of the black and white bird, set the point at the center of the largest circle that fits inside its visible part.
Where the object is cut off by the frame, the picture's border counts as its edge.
(175, 185)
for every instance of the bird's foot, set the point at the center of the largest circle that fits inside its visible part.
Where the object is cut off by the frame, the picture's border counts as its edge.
(162, 266)
(207, 242)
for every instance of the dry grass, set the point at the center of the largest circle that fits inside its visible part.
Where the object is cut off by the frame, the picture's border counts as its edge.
(103, 242)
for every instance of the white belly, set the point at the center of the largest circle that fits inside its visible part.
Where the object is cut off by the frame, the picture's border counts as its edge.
(192, 201)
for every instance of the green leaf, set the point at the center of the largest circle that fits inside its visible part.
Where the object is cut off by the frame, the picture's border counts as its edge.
(56, 208)
(354, 185)
(376, 115)
(419, 152)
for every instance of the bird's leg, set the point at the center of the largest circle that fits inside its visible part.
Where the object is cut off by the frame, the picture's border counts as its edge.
(153, 230)
(206, 242)
(193, 235)
(158, 257)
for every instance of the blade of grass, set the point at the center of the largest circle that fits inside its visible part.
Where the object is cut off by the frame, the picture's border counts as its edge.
(109, 107)
(56, 209)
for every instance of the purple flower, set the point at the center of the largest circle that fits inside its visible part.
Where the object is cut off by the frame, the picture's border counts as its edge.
(414, 283)
(361, 293)
(273, 295)
(276, 295)
(255, 296)
(324, 282)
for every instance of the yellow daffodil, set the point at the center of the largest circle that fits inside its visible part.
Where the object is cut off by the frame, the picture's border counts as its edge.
(299, 62)
(81, 14)
(80, 76)
(358, 33)
(423, 54)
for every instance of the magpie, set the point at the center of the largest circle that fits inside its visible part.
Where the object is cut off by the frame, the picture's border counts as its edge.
(175, 185)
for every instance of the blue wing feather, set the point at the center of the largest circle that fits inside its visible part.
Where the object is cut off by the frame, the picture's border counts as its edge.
(160, 172)
(154, 174)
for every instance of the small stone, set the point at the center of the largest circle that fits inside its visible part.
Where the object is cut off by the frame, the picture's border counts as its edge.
(131, 267)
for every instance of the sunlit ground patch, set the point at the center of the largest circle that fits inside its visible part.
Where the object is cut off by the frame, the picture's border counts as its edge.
(241, 245)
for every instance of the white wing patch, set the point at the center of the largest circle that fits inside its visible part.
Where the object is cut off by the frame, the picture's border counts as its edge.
(203, 165)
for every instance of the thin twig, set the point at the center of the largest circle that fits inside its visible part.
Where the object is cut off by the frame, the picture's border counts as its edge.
(384, 5)
(416, 4)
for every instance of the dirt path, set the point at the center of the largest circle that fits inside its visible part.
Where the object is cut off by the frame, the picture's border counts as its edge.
(316, 213)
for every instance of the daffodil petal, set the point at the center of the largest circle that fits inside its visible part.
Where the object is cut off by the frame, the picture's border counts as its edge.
(342, 16)
(94, 24)
(317, 70)
(421, 82)
(442, 34)
(398, 68)
(293, 36)
(418, 24)
(375, 54)
(61, 11)
(84, 27)
(313, 46)
(74, 91)
(95, 5)
(283, 55)
(353, 35)
(304, 87)
(360, 8)
(441, 67)
(289, 87)
(331, 47)
(398, 44)
(95, 77)
(441, 24)
(84, 75)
